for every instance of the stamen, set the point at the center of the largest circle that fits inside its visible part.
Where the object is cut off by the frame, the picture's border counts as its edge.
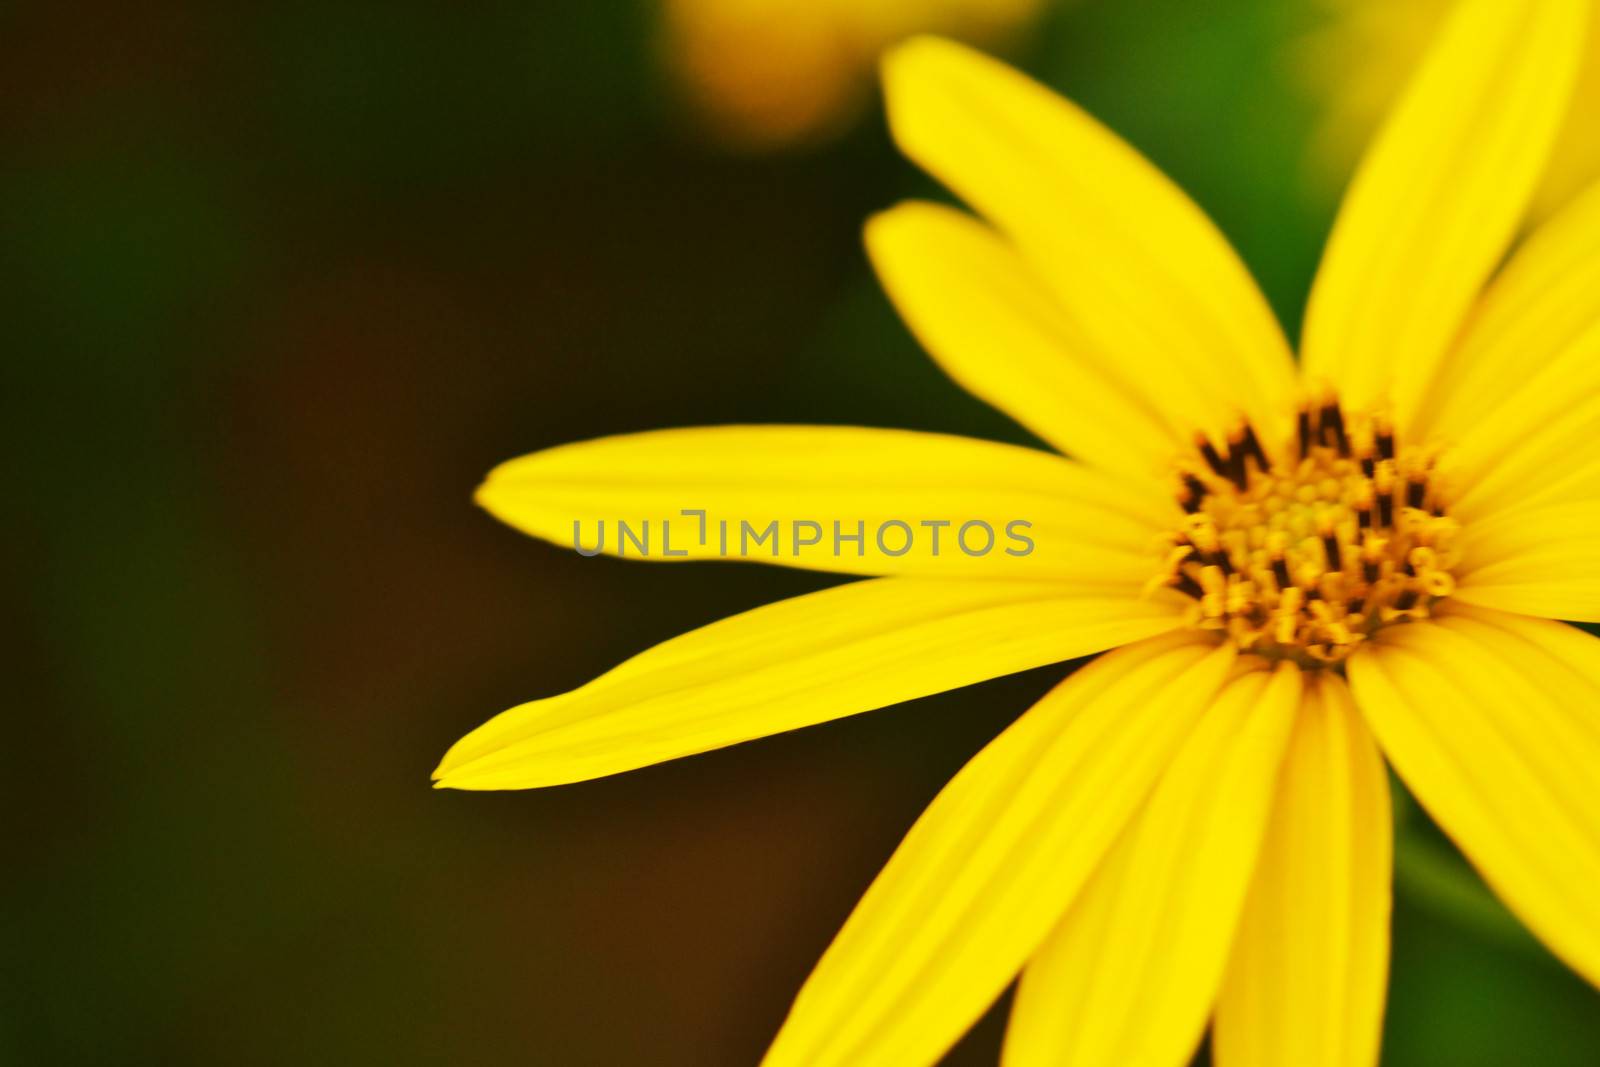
(1280, 570)
(1237, 474)
(1330, 549)
(1415, 489)
(1253, 449)
(1331, 428)
(1370, 570)
(1385, 440)
(1213, 458)
(1384, 483)
(1236, 470)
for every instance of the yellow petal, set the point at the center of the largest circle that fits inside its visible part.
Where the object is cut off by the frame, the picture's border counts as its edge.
(1439, 196)
(1160, 300)
(987, 319)
(1129, 976)
(833, 498)
(1538, 561)
(993, 863)
(1539, 448)
(1537, 308)
(1517, 402)
(1305, 984)
(807, 660)
(1493, 720)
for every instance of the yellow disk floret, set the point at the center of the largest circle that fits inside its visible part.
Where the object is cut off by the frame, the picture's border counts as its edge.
(1307, 556)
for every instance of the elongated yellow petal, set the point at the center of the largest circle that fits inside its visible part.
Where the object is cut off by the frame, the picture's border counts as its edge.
(989, 321)
(1518, 400)
(1538, 445)
(1537, 308)
(1493, 720)
(1439, 196)
(996, 859)
(1130, 974)
(1160, 300)
(1539, 561)
(845, 499)
(807, 660)
(1305, 985)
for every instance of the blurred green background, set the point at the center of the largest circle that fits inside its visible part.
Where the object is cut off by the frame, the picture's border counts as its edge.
(280, 283)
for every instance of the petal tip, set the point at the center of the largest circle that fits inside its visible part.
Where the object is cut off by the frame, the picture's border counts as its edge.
(872, 230)
(908, 67)
(497, 496)
(898, 57)
(446, 766)
(884, 230)
(449, 775)
(454, 760)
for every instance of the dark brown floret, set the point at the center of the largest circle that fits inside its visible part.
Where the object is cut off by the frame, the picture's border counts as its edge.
(1385, 444)
(1252, 448)
(1416, 491)
(1330, 428)
(1330, 545)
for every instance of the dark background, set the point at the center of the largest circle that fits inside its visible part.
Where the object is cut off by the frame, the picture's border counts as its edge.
(278, 284)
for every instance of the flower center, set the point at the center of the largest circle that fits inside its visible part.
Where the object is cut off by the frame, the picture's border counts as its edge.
(1307, 555)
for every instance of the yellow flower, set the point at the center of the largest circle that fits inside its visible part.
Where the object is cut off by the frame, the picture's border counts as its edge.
(1363, 556)
(1356, 59)
(767, 73)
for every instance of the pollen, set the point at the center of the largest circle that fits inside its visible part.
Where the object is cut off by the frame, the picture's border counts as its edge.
(1305, 551)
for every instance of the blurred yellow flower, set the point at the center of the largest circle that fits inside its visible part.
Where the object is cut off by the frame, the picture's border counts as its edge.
(1356, 59)
(1298, 572)
(762, 74)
